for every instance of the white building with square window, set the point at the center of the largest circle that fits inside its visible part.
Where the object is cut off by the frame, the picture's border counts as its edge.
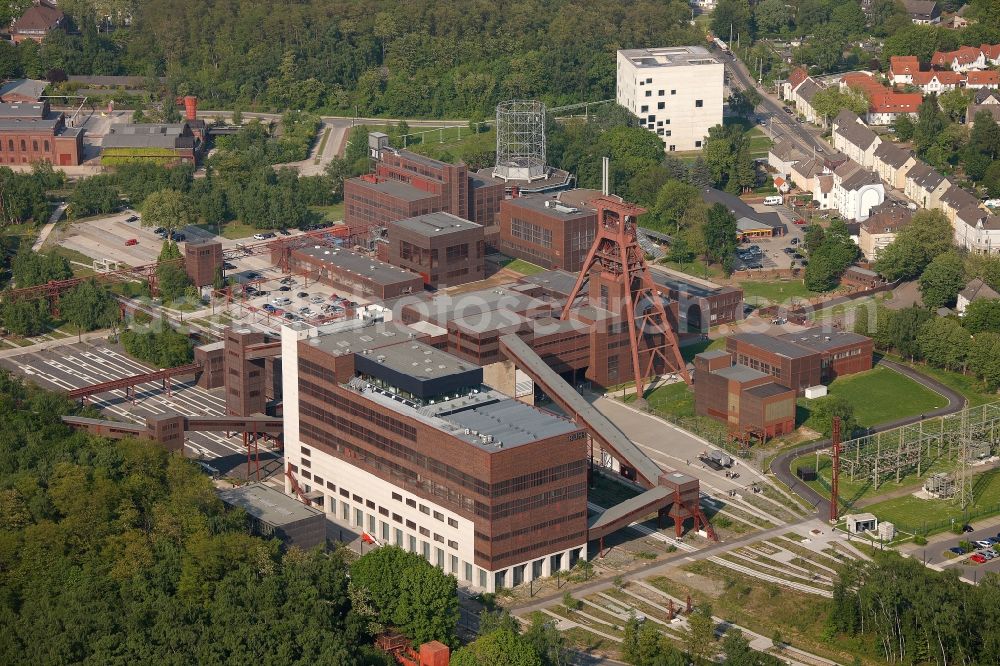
(676, 92)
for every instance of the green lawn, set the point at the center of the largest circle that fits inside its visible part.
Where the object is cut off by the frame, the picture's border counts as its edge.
(334, 213)
(454, 143)
(523, 267)
(674, 400)
(695, 268)
(692, 350)
(75, 258)
(914, 514)
(881, 395)
(759, 143)
(967, 385)
(775, 291)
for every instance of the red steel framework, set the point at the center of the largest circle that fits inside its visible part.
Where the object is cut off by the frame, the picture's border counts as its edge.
(616, 252)
(835, 480)
(129, 383)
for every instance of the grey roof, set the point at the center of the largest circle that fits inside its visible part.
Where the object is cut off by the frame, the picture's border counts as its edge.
(768, 390)
(739, 373)
(844, 117)
(859, 178)
(419, 159)
(588, 414)
(25, 87)
(396, 189)
(739, 208)
(622, 509)
(857, 134)
(925, 176)
(434, 224)
(359, 264)
(922, 8)
(511, 422)
(959, 198)
(362, 335)
(809, 167)
(554, 209)
(673, 56)
(29, 124)
(23, 110)
(685, 285)
(558, 282)
(148, 135)
(808, 90)
(891, 154)
(786, 150)
(270, 506)
(978, 289)
(983, 94)
(420, 361)
(715, 353)
(773, 344)
(819, 340)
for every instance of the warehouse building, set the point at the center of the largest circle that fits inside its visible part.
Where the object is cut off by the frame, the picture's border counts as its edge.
(800, 360)
(701, 303)
(750, 402)
(548, 231)
(32, 132)
(404, 184)
(271, 513)
(350, 272)
(443, 248)
(404, 442)
(168, 143)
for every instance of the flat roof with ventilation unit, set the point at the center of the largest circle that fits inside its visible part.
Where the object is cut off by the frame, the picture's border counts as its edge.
(434, 224)
(672, 56)
(372, 269)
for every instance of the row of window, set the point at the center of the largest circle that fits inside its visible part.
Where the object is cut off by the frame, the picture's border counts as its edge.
(24, 145)
(531, 233)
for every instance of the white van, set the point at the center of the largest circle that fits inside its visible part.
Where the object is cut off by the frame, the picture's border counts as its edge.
(775, 200)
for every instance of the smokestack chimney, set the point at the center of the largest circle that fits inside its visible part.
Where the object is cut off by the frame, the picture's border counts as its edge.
(190, 107)
(605, 186)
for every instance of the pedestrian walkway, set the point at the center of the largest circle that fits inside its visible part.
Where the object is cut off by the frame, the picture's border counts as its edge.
(47, 229)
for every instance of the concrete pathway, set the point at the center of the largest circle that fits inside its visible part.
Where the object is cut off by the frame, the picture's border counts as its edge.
(47, 229)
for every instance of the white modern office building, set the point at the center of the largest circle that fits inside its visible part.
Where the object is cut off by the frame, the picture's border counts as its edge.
(676, 92)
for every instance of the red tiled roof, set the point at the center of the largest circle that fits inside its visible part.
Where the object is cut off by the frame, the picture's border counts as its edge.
(991, 51)
(985, 78)
(797, 76)
(904, 65)
(864, 82)
(964, 55)
(946, 77)
(891, 102)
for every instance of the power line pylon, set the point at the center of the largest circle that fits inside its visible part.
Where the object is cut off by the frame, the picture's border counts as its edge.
(619, 265)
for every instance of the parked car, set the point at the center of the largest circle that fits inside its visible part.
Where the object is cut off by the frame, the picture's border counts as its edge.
(958, 550)
(259, 237)
(281, 300)
(284, 287)
(303, 294)
(316, 299)
(978, 559)
(789, 250)
(982, 543)
(267, 307)
(290, 316)
(786, 110)
(228, 266)
(794, 241)
(253, 275)
(284, 232)
(800, 222)
(992, 203)
(967, 528)
(132, 241)
(132, 218)
(159, 230)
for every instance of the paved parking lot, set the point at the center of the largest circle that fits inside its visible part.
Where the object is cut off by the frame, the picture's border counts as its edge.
(107, 238)
(81, 364)
(935, 553)
(773, 255)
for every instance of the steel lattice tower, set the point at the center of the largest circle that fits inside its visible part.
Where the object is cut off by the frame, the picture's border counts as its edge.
(520, 140)
(616, 258)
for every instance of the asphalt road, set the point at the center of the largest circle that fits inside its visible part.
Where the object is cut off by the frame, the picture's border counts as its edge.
(933, 553)
(91, 362)
(783, 123)
(781, 466)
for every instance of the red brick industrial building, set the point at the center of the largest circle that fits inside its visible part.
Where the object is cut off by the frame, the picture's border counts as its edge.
(443, 248)
(404, 184)
(750, 402)
(701, 304)
(33, 133)
(800, 360)
(351, 273)
(546, 231)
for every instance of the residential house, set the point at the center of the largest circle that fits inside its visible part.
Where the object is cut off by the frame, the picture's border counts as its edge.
(985, 99)
(794, 80)
(991, 52)
(853, 138)
(956, 22)
(886, 107)
(783, 154)
(823, 191)
(803, 97)
(36, 22)
(988, 78)
(978, 231)
(856, 190)
(956, 199)
(880, 229)
(963, 59)
(892, 163)
(923, 12)
(804, 172)
(938, 82)
(975, 290)
(925, 186)
(782, 185)
(902, 69)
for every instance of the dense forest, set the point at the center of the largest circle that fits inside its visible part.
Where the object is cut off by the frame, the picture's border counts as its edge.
(116, 552)
(400, 57)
